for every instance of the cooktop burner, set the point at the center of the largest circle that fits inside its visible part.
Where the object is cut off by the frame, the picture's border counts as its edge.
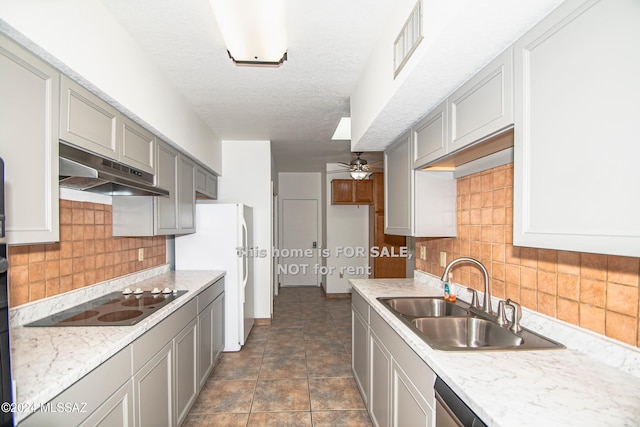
(114, 309)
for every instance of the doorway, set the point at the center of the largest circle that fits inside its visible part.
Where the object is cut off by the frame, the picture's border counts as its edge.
(298, 257)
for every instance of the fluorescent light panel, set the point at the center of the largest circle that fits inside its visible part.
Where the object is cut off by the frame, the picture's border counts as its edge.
(254, 31)
(343, 131)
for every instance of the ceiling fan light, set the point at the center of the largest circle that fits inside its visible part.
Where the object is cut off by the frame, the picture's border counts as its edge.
(358, 175)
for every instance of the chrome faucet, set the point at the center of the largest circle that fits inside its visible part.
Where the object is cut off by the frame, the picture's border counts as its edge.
(486, 302)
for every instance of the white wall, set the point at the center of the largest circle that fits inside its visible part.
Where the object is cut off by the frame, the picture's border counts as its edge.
(305, 186)
(83, 40)
(347, 226)
(247, 180)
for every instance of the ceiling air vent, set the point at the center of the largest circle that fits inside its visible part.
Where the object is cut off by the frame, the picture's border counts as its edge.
(408, 40)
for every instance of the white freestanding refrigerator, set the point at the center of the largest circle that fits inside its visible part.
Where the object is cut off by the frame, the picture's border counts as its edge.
(223, 237)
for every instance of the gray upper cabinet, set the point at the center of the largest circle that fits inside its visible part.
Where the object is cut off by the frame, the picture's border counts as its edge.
(417, 203)
(186, 196)
(576, 130)
(483, 105)
(430, 137)
(478, 110)
(138, 146)
(206, 183)
(166, 212)
(398, 184)
(29, 102)
(87, 121)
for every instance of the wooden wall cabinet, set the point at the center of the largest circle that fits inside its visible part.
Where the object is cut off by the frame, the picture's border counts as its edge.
(351, 192)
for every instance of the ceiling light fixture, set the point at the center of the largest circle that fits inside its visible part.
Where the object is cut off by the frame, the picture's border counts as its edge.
(358, 168)
(343, 130)
(253, 30)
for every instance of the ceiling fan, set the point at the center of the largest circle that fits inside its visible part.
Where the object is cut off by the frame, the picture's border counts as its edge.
(358, 168)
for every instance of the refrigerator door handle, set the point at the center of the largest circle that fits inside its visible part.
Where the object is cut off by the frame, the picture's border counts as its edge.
(245, 258)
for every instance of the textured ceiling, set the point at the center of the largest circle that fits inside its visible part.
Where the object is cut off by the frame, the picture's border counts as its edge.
(298, 105)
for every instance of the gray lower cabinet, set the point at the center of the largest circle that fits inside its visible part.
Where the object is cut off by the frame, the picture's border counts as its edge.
(380, 375)
(155, 380)
(186, 370)
(360, 345)
(400, 391)
(117, 411)
(154, 390)
(210, 337)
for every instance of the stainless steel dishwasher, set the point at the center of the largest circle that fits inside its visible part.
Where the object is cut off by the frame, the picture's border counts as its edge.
(451, 411)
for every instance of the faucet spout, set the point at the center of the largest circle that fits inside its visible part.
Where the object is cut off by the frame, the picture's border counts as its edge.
(486, 302)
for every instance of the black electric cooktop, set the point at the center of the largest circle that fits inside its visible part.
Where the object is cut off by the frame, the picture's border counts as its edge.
(114, 309)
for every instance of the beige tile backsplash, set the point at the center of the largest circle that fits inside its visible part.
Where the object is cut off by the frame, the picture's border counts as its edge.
(86, 254)
(597, 292)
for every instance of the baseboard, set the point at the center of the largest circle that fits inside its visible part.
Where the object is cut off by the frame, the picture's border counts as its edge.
(345, 295)
(262, 322)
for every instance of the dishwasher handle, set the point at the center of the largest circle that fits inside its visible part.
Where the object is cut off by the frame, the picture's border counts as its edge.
(454, 411)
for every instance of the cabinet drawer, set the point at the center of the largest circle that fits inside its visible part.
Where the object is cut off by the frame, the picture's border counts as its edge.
(207, 296)
(93, 389)
(360, 305)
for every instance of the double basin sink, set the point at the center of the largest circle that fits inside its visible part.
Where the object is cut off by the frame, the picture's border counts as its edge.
(449, 326)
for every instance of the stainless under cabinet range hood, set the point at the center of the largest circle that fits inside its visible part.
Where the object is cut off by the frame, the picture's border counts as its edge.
(81, 170)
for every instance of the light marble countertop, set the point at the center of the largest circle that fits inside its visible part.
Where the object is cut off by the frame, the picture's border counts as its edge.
(560, 387)
(47, 360)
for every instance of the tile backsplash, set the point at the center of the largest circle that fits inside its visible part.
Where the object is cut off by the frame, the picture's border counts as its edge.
(593, 291)
(86, 254)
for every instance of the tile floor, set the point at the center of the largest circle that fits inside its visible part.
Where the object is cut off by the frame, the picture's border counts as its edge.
(295, 372)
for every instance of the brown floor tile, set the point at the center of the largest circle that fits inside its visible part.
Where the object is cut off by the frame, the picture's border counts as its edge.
(334, 393)
(280, 419)
(218, 420)
(298, 363)
(283, 368)
(225, 396)
(331, 367)
(294, 349)
(236, 368)
(325, 348)
(341, 418)
(281, 395)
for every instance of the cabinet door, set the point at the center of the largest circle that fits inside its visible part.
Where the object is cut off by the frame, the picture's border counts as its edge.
(363, 192)
(186, 196)
(483, 105)
(380, 374)
(166, 209)
(212, 186)
(153, 390)
(186, 370)
(206, 356)
(29, 103)
(87, 121)
(409, 407)
(575, 154)
(360, 353)
(398, 185)
(430, 137)
(138, 146)
(218, 327)
(341, 191)
(117, 411)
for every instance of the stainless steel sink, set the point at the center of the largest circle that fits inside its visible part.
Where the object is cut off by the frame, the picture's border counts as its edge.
(448, 326)
(465, 333)
(424, 307)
